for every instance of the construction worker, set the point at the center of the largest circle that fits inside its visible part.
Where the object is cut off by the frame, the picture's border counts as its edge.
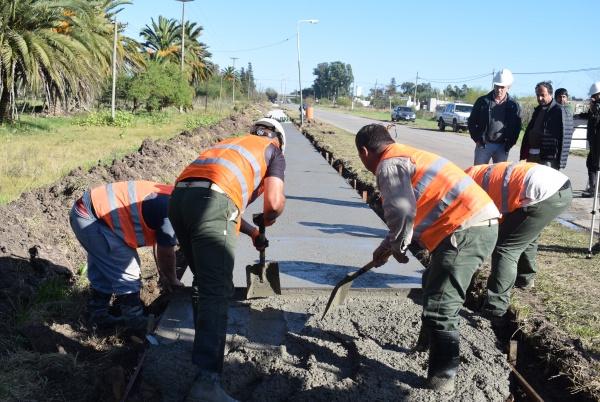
(111, 222)
(530, 196)
(427, 198)
(592, 161)
(205, 208)
(495, 121)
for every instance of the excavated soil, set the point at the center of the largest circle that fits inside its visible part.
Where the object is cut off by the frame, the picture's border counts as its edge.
(36, 244)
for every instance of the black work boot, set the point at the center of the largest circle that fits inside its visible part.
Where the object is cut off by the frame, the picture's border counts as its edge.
(133, 311)
(99, 307)
(207, 358)
(423, 340)
(444, 358)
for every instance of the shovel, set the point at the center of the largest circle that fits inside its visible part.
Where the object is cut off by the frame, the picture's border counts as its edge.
(262, 279)
(338, 295)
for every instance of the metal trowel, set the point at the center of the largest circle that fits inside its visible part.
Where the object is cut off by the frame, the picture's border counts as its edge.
(262, 279)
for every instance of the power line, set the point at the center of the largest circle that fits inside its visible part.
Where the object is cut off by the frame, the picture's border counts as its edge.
(256, 48)
(563, 72)
(208, 22)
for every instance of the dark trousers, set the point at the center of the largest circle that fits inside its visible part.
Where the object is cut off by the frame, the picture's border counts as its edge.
(205, 224)
(513, 259)
(447, 278)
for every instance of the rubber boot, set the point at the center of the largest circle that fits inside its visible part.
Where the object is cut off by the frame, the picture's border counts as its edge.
(99, 307)
(444, 358)
(207, 358)
(423, 341)
(133, 311)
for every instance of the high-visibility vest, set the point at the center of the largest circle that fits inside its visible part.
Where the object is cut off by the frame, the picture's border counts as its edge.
(237, 166)
(503, 182)
(445, 195)
(120, 206)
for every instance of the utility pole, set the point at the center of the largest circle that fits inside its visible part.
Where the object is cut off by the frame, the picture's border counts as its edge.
(234, 59)
(114, 75)
(182, 39)
(493, 74)
(375, 94)
(221, 88)
(416, 83)
(352, 107)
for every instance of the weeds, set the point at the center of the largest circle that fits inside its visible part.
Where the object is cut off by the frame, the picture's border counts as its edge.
(201, 121)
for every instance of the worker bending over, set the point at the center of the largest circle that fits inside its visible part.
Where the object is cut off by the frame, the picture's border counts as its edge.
(205, 208)
(530, 196)
(111, 222)
(427, 198)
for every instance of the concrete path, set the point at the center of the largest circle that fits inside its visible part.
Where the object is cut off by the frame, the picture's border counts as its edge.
(325, 232)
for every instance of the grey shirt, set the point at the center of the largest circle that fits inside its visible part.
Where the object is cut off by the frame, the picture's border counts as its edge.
(497, 122)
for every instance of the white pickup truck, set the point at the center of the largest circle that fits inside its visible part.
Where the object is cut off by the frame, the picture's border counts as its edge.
(455, 115)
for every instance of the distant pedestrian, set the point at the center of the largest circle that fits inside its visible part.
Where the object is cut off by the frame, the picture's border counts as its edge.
(561, 95)
(593, 136)
(495, 121)
(111, 222)
(530, 196)
(429, 199)
(547, 139)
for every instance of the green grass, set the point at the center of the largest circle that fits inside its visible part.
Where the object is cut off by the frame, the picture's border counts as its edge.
(36, 151)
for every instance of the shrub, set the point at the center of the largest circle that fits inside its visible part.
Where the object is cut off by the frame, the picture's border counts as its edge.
(343, 101)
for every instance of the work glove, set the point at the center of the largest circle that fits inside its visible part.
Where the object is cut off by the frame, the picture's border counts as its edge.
(258, 244)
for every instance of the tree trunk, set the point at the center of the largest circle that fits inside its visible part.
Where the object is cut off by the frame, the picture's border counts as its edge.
(56, 103)
(6, 110)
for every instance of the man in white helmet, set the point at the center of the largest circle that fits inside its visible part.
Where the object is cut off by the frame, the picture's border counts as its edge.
(495, 122)
(205, 210)
(593, 136)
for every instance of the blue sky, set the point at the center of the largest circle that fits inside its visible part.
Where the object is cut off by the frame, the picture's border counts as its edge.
(444, 41)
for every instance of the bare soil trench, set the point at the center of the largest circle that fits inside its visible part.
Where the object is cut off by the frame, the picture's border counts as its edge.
(359, 349)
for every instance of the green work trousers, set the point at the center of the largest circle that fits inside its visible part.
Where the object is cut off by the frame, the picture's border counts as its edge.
(513, 259)
(205, 224)
(445, 281)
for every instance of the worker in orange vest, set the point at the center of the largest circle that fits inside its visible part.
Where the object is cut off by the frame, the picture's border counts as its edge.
(111, 222)
(206, 210)
(429, 199)
(530, 196)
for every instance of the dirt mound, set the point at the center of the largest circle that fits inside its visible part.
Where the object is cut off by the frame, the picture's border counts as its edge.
(36, 241)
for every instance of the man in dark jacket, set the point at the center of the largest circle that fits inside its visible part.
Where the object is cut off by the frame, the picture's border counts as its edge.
(495, 122)
(548, 135)
(593, 136)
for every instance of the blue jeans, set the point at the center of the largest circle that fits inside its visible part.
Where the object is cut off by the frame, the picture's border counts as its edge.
(492, 151)
(113, 266)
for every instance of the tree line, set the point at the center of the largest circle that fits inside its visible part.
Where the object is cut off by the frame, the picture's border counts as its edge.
(61, 52)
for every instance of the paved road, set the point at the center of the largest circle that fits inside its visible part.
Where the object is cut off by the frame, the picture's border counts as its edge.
(459, 148)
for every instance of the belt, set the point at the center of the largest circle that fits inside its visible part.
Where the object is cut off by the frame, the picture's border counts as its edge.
(565, 186)
(487, 222)
(201, 184)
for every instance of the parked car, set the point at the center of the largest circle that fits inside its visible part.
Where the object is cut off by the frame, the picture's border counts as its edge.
(403, 113)
(455, 115)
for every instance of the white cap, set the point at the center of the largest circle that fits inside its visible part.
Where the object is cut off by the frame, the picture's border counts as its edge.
(503, 78)
(594, 89)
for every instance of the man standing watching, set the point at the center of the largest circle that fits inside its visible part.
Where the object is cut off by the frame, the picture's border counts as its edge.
(561, 96)
(111, 222)
(427, 198)
(530, 196)
(547, 139)
(593, 136)
(205, 208)
(495, 121)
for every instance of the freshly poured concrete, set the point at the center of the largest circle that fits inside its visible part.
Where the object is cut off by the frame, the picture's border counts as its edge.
(325, 232)
(278, 349)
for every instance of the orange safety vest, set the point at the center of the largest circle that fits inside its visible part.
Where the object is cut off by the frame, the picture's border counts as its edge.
(446, 196)
(503, 182)
(120, 206)
(236, 165)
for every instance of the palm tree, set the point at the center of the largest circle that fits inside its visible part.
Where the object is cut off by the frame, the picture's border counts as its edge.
(196, 58)
(162, 40)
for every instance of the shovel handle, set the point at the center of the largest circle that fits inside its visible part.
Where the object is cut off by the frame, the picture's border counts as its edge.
(371, 264)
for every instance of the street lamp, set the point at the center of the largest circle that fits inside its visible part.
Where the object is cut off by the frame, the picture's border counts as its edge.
(299, 76)
(182, 38)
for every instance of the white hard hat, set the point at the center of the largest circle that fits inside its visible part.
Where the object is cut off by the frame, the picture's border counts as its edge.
(503, 78)
(594, 89)
(273, 125)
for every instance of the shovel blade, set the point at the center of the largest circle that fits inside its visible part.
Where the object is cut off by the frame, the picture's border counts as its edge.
(338, 295)
(262, 280)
